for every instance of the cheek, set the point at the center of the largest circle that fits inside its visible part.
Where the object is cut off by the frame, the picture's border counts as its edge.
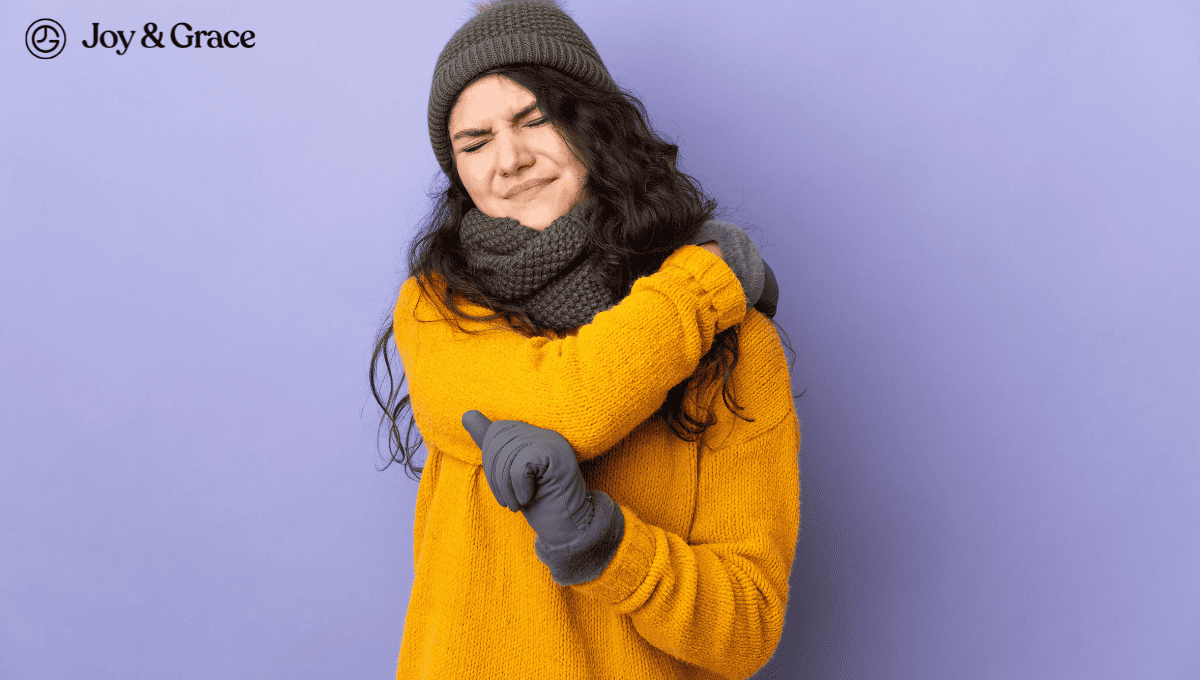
(579, 172)
(474, 180)
(556, 148)
(567, 163)
(577, 168)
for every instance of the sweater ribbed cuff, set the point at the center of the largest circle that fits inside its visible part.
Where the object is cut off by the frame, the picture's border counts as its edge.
(712, 277)
(586, 557)
(739, 252)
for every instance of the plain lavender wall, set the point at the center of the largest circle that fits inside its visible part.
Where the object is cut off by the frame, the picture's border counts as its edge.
(984, 217)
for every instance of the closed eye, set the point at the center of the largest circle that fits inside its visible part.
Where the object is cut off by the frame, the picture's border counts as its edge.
(533, 123)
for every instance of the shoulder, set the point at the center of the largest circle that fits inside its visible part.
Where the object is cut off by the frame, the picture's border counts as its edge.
(761, 384)
(762, 373)
(425, 300)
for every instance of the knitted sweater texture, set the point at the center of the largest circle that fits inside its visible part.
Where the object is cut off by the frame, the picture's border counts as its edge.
(698, 586)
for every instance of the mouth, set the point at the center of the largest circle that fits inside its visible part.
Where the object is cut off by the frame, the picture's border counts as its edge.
(529, 185)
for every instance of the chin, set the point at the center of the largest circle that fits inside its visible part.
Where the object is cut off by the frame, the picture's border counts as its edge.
(541, 218)
(539, 224)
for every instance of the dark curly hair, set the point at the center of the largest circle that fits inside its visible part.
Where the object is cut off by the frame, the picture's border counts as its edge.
(641, 209)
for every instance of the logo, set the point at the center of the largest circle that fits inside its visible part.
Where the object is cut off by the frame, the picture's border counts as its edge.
(45, 38)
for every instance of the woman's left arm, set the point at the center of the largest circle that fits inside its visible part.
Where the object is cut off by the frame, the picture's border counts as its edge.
(717, 599)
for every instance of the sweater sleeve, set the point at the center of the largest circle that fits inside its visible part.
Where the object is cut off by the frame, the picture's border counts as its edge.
(717, 599)
(593, 387)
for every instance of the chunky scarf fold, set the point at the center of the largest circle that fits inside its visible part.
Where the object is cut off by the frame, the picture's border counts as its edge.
(547, 273)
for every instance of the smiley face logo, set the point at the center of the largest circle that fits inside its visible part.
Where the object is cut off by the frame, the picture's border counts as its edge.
(45, 38)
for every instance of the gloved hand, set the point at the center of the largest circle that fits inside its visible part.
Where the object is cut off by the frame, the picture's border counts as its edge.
(740, 253)
(534, 470)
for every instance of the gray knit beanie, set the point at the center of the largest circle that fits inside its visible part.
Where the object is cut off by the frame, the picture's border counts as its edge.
(508, 32)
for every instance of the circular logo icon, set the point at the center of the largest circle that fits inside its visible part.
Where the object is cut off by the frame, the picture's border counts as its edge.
(45, 38)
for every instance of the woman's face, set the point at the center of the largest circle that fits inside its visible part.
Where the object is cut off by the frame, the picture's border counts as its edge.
(509, 156)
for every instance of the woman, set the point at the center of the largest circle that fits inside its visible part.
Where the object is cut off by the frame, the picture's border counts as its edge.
(572, 354)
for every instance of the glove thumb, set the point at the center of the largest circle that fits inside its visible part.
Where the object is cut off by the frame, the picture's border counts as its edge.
(476, 425)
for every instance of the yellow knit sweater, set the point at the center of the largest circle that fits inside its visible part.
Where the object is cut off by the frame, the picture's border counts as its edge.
(698, 587)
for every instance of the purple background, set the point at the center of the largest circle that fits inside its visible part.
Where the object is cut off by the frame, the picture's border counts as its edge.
(984, 217)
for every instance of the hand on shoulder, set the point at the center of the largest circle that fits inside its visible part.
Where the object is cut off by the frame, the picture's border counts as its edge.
(713, 248)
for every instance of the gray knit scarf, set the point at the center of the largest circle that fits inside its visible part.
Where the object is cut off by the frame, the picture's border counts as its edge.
(546, 273)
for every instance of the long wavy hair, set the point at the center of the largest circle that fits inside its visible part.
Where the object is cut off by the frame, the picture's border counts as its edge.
(641, 208)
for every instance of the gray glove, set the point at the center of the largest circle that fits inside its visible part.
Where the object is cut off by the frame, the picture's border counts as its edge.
(770, 295)
(534, 470)
(740, 253)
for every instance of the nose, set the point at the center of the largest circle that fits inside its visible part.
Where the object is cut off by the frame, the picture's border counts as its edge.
(513, 154)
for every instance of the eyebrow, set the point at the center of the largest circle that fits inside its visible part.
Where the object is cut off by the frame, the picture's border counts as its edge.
(480, 132)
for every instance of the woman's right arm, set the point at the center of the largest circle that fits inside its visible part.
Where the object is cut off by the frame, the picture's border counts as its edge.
(594, 387)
